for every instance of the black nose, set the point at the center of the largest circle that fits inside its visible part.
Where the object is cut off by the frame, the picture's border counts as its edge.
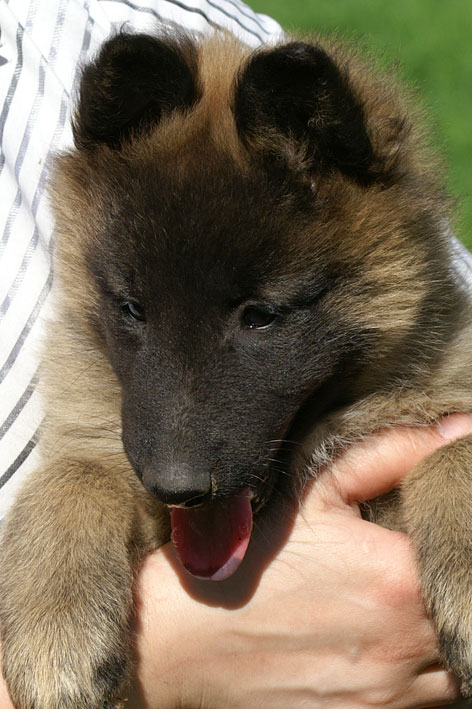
(179, 485)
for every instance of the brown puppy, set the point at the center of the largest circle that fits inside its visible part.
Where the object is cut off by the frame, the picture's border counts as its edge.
(251, 249)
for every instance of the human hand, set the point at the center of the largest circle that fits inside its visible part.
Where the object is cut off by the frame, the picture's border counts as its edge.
(335, 618)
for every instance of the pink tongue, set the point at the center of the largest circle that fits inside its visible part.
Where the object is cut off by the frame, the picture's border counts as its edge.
(211, 541)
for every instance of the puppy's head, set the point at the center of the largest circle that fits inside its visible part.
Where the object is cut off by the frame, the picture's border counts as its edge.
(258, 237)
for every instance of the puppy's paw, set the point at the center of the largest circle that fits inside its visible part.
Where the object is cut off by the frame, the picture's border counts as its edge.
(46, 672)
(66, 638)
(437, 510)
(66, 579)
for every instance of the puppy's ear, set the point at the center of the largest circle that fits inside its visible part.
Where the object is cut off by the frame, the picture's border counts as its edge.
(132, 83)
(296, 91)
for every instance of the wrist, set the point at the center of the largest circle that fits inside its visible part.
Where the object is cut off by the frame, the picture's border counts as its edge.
(165, 634)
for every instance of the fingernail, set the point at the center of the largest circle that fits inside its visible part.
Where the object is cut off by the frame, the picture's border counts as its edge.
(455, 426)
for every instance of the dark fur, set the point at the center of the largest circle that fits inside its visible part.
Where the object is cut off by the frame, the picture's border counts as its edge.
(218, 188)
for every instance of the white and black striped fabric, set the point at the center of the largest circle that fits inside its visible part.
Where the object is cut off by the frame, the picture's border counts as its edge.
(43, 44)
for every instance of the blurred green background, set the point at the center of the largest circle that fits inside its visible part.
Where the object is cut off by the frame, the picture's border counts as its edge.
(431, 40)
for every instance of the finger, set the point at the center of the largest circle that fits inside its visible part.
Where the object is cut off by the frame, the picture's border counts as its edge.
(379, 464)
(434, 687)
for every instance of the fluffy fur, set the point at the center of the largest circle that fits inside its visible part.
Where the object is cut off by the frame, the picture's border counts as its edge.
(251, 248)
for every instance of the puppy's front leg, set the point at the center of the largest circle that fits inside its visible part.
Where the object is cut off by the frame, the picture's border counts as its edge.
(66, 588)
(437, 508)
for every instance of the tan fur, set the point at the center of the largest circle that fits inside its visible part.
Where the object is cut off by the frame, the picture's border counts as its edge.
(84, 520)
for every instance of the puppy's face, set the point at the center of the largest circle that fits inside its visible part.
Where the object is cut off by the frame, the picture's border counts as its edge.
(245, 245)
(216, 324)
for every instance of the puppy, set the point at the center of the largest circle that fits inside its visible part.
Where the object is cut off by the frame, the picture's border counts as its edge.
(251, 249)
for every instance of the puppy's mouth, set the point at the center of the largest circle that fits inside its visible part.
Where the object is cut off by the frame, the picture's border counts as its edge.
(211, 541)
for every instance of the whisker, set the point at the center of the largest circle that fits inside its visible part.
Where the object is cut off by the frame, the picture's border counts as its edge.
(285, 440)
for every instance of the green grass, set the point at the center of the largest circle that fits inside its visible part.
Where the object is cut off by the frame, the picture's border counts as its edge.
(431, 40)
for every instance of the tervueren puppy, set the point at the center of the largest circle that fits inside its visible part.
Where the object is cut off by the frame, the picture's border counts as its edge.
(251, 247)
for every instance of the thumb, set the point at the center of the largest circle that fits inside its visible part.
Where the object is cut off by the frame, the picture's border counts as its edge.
(380, 463)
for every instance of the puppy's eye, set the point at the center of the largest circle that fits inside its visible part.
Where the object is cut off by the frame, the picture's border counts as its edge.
(257, 318)
(133, 310)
